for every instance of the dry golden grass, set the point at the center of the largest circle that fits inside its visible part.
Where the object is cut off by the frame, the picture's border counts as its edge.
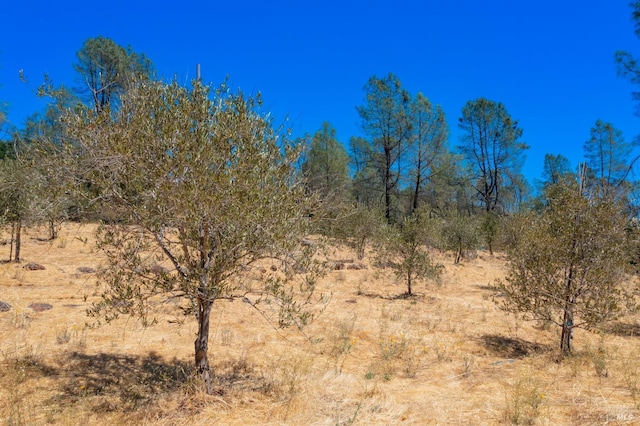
(447, 356)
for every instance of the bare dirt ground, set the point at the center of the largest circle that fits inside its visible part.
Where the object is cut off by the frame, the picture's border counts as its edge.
(447, 356)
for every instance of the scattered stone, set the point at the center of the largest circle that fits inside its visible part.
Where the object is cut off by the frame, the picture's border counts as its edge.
(510, 361)
(307, 243)
(40, 307)
(351, 301)
(86, 270)
(357, 266)
(4, 306)
(158, 269)
(31, 266)
(338, 266)
(122, 304)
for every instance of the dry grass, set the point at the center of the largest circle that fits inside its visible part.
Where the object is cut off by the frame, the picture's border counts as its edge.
(446, 356)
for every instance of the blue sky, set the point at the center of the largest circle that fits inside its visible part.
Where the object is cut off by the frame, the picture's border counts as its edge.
(549, 62)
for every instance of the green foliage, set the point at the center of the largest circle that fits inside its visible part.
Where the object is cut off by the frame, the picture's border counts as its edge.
(626, 63)
(402, 247)
(44, 140)
(567, 263)
(386, 121)
(428, 143)
(326, 165)
(607, 155)
(448, 187)
(555, 168)
(15, 200)
(491, 146)
(25, 196)
(106, 70)
(7, 151)
(357, 227)
(459, 234)
(205, 185)
(489, 229)
(325, 170)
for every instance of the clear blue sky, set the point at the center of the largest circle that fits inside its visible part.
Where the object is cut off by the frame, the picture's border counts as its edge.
(550, 62)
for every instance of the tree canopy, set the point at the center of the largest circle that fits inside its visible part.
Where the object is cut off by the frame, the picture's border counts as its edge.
(106, 70)
(567, 263)
(491, 146)
(203, 186)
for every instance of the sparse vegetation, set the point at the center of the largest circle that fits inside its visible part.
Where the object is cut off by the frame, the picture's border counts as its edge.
(403, 248)
(194, 204)
(376, 358)
(203, 184)
(568, 264)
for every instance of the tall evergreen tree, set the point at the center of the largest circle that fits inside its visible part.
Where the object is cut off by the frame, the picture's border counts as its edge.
(386, 121)
(366, 183)
(491, 147)
(554, 169)
(627, 63)
(326, 167)
(107, 69)
(608, 157)
(429, 137)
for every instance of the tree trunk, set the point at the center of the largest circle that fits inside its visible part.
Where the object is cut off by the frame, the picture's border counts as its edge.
(13, 234)
(202, 344)
(409, 293)
(567, 331)
(416, 191)
(53, 233)
(567, 322)
(18, 226)
(387, 184)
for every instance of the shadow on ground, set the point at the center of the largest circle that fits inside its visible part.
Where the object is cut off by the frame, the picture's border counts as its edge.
(506, 347)
(401, 296)
(623, 329)
(123, 382)
(114, 382)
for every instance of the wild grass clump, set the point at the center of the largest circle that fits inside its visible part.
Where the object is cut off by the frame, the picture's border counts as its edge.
(342, 341)
(524, 403)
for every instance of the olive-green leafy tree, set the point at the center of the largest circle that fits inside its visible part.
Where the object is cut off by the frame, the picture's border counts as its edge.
(357, 226)
(106, 70)
(459, 233)
(403, 248)
(13, 202)
(206, 187)
(44, 137)
(386, 121)
(567, 262)
(19, 194)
